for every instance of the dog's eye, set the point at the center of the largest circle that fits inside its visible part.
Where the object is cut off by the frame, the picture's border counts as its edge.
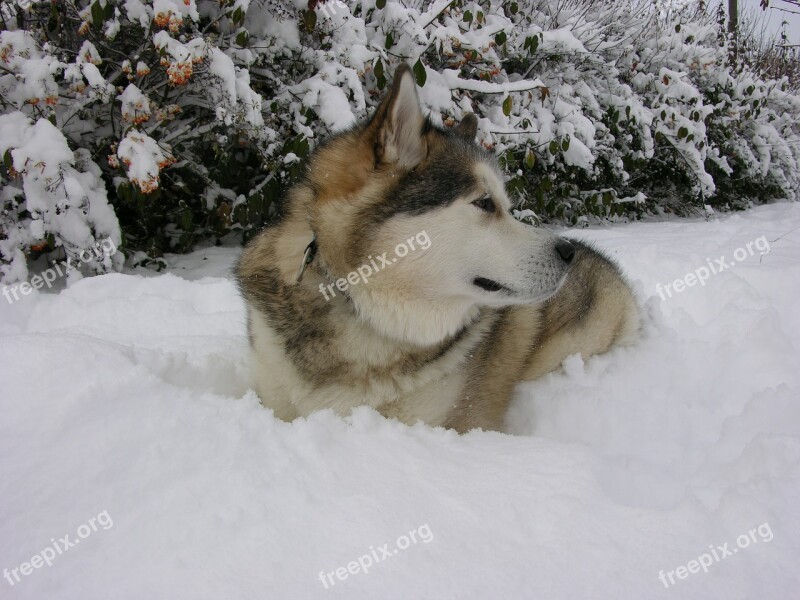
(486, 204)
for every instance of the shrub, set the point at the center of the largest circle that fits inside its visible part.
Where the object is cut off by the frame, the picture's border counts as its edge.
(163, 123)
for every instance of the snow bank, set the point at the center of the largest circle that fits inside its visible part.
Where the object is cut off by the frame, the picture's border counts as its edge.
(126, 393)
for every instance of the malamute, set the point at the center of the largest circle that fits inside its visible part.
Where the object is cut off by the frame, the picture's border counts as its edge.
(398, 279)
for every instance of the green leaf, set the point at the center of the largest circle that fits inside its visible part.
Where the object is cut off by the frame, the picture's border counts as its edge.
(241, 38)
(379, 74)
(124, 191)
(506, 159)
(507, 106)
(515, 186)
(301, 147)
(186, 220)
(380, 3)
(514, 8)
(530, 159)
(419, 73)
(531, 44)
(255, 208)
(553, 147)
(467, 16)
(500, 38)
(238, 16)
(309, 20)
(97, 14)
(239, 214)
(682, 133)
(678, 28)
(389, 41)
(565, 143)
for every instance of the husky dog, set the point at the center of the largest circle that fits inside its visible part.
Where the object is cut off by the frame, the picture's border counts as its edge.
(443, 331)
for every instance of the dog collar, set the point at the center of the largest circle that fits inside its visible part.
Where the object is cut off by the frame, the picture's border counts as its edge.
(308, 257)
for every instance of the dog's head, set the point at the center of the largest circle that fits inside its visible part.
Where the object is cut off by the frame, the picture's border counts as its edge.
(428, 208)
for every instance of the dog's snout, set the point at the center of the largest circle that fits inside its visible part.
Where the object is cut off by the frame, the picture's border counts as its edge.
(565, 250)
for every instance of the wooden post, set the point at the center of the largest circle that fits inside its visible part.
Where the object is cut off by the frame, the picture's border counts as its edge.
(733, 16)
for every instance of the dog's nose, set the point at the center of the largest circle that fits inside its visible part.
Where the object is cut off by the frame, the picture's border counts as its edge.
(565, 250)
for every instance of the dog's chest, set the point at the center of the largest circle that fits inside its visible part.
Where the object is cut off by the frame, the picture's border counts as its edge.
(371, 376)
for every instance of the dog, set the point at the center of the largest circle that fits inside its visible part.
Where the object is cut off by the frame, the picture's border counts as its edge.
(442, 331)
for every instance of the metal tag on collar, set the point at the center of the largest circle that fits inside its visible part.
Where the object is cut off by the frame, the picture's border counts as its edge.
(308, 257)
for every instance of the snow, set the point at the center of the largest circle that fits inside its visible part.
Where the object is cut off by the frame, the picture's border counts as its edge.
(139, 12)
(88, 54)
(333, 106)
(221, 65)
(35, 82)
(487, 87)
(561, 40)
(143, 158)
(95, 79)
(326, 93)
(64, 194)
(186, 8)
(135, 105)
(622, 466)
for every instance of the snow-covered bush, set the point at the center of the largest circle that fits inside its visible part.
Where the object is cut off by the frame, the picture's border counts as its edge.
(130, 100)
(56, 196)
(192, 116)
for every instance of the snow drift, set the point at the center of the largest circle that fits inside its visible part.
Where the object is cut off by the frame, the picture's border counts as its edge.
(124, 400)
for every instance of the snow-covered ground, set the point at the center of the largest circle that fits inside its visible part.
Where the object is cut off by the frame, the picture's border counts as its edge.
(124, 400)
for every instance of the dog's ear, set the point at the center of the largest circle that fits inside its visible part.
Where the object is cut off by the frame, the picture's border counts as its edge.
(399, 122)
(468, 128)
